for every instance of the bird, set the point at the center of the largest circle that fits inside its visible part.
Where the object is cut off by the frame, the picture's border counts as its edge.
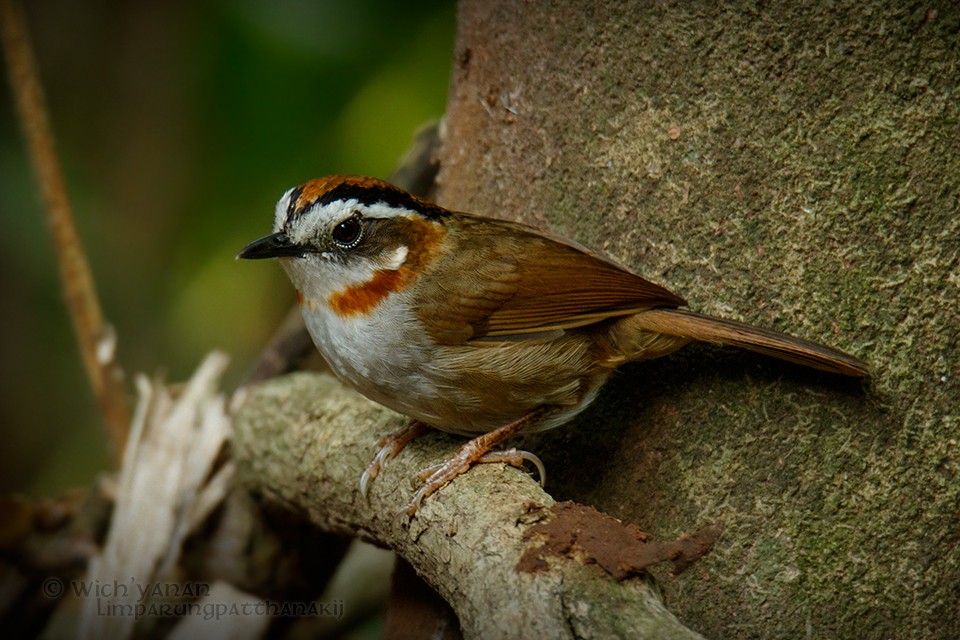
(475, 325)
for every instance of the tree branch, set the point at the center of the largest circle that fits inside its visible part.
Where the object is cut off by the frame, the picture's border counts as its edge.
(302, 441)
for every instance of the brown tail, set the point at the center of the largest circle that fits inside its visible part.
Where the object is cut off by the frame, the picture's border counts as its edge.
(687, 324)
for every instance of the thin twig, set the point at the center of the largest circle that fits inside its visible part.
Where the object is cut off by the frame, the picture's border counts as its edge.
(95, 337)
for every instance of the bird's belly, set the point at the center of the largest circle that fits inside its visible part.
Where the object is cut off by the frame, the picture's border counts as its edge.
(464, 389)
(489, 386)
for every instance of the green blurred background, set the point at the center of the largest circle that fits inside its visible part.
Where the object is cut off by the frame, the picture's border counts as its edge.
(179, 125)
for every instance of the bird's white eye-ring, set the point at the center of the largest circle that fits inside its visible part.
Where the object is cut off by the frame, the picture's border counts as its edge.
(347, 233)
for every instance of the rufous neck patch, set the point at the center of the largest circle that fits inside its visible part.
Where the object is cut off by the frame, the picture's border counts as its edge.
(364, 298)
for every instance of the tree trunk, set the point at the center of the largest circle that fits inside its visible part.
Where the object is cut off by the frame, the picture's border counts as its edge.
(793, 165)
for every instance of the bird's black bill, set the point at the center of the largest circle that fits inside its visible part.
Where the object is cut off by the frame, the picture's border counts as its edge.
(276, 245)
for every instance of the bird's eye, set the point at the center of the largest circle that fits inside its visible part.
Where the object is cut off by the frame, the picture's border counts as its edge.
(347, 233)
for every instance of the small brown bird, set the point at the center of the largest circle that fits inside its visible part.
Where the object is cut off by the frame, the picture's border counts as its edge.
(474, 325)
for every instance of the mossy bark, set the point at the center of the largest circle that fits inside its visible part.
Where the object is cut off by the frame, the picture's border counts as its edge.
(793, 165)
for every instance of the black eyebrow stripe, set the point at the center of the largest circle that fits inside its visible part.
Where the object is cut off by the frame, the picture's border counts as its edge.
(385, 194)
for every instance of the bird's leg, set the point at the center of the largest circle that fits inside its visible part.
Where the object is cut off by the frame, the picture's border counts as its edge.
(389, 446)
(473, 452)
(512, 457)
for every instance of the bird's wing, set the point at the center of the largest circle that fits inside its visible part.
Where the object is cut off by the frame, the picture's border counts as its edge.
(515, 283)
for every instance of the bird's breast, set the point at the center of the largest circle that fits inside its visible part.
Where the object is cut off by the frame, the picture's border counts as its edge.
(381, 353)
